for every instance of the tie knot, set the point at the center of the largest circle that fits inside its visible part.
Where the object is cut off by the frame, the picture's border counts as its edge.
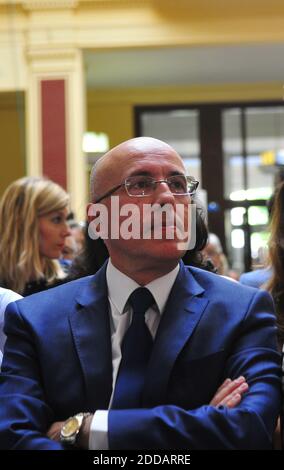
(140, 300)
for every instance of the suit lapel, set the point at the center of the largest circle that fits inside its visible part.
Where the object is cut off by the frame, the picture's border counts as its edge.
(92, 338)
(184, 309)
(91, 332)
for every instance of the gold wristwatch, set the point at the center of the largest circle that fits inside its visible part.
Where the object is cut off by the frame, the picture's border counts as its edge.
(71, 428)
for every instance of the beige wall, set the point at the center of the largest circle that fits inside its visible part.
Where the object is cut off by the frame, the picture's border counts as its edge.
(12, 138)
(115, 119)
(112, 110)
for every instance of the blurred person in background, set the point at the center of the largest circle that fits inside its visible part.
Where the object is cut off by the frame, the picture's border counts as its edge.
(275, 284)
(33, 228)
(77, 231)
(213, 252)
(258, 277)
(70, 249)
(69, 253)
(273, 281)
(6, 296)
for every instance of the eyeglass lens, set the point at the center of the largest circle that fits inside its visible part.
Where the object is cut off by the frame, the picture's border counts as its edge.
(143, 186)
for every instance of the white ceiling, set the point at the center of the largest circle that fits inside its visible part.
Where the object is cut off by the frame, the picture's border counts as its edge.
(185, 65)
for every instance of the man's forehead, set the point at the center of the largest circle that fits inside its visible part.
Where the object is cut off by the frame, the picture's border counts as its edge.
(149, 163)
(149, 155)
(135, 153)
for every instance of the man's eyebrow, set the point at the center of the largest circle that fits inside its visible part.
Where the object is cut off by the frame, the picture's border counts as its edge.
(176, 172)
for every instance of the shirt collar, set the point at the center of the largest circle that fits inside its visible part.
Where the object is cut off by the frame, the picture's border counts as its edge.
(121, 286)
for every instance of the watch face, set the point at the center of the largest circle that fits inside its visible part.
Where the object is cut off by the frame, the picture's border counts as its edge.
(70, 427)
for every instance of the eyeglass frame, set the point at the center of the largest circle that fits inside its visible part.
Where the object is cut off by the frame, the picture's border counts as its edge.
(111, 191)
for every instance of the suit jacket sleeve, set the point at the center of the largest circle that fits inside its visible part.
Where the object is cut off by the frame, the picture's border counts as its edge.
(24, 414)
(248, 426)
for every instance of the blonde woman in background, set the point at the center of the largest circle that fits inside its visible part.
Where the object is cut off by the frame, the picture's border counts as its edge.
(33, 228)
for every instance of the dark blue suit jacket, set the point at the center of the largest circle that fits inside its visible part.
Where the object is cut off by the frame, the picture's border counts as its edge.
(58, 362)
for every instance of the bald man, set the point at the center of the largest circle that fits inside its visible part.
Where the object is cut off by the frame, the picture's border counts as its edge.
(147, 353)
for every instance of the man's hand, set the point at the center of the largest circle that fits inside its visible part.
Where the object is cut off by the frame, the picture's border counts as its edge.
(230, 393)
(54, 431)
(82, 440)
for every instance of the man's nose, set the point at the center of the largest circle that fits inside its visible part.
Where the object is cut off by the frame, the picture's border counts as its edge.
(163, 194)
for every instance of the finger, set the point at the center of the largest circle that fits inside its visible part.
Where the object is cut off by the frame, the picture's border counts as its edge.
(226, 390)
(54, 431)
(230, 400)
(51, 433)
(234, 401)
(224, 384)
(228, 381)
(240, 390)
(232, 386)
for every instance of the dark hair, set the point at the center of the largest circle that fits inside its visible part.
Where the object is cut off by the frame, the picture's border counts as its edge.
(276, 256)
(195, 257)
(91, 258)
(269, 205)
(95, 252)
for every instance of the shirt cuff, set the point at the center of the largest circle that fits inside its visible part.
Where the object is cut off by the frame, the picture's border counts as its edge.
(98, 439)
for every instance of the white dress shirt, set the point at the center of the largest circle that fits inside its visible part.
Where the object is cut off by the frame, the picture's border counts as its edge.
(120, 287)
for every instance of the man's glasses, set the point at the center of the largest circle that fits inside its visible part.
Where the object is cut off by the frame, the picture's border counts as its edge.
(142, 186)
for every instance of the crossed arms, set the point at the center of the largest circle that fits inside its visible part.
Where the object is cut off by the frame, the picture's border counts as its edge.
(26, 415)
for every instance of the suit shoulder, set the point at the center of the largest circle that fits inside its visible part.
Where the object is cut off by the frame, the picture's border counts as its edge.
(55, 300)
(232, 298)
(216, 282)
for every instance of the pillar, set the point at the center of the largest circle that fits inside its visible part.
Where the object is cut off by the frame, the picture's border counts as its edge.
(55, 117)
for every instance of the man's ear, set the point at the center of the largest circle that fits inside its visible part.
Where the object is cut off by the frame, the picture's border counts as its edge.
(97, 216)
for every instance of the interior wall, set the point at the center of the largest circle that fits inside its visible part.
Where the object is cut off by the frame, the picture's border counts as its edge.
(115, 119)
(12, 138)
(112, 110)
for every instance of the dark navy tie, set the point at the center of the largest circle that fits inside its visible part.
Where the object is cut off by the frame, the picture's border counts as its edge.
(136, 350)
